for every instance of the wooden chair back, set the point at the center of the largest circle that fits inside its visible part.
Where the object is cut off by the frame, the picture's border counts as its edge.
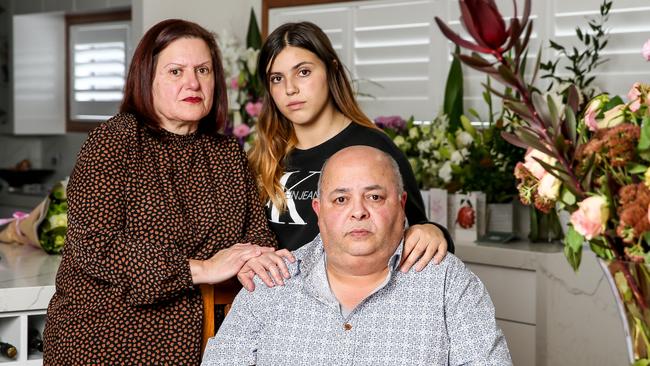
(216, 297)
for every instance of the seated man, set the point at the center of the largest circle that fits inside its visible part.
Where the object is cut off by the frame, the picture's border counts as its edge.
(346, 303)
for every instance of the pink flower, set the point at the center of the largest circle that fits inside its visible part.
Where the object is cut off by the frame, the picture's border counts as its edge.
(234, 83)
(240, 131)
(533, 166)
(549, 187)
(591, 217)
(394, 122)
(590, 114)
(253, 109)
(634, 97)
(645, 51)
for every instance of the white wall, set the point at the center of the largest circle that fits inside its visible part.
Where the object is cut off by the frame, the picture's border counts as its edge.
(214, 15)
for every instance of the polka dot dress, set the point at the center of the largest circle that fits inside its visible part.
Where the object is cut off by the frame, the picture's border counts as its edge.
(140, 206)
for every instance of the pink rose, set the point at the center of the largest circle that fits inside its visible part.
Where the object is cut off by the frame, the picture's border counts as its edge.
(253, 109)
(645, 51)
(234, 84)
(549, 187)
(240, 131)
(533, 166)
(590, 114)
(634, 97)
(591, 217)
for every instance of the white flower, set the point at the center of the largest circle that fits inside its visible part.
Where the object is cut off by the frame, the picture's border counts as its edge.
(399, 141)
(463, 138)
(456, 157)
(445, 172)
(414, 133)
(250, 55)
(424, 145)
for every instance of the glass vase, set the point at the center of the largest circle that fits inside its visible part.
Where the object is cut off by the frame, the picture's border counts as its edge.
(544, 227)
(630, 284)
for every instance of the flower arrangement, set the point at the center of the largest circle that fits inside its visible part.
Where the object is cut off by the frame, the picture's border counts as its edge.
(53, 229)
(435, 154)
(467, 159)
(45, 227)
(240, 66)
(592, 163)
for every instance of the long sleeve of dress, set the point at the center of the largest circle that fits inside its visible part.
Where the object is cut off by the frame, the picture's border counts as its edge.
(98, 238)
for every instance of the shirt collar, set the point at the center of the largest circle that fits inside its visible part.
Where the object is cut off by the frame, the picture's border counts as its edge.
(311, 266)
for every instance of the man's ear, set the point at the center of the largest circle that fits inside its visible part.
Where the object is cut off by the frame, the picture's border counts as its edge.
(403, 200)
(315, 204)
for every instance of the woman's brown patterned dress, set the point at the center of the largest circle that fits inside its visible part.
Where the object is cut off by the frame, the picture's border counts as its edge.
(140, 207)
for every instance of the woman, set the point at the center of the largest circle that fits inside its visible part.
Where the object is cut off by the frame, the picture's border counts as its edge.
(158, 202)
(309, 113)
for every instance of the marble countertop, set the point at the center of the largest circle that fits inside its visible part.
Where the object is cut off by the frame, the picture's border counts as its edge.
(518, 254)
(26, 277)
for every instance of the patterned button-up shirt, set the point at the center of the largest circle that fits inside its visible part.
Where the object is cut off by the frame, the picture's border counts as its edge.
(440, 316)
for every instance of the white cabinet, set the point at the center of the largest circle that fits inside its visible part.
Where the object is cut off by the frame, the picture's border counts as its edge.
(37, 75)
(26, 287)
(549, 314)
(14, 329)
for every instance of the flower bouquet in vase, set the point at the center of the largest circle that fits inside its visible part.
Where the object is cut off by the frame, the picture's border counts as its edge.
(590, 158)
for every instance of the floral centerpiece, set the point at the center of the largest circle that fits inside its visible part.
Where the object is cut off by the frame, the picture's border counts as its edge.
(592, 163)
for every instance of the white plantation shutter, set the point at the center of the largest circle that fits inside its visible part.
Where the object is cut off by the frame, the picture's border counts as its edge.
(387, 47)
(98, 60)
(398, 45)
(629, 26)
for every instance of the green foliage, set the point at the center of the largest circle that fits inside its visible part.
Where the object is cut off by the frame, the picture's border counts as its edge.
(581, 61)
(453, 103)
(573, 247)
(253, 36)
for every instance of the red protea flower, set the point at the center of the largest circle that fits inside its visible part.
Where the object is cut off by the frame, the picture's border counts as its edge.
(484, 22)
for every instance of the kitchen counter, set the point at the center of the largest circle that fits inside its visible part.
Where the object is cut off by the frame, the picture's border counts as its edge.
(518, 254)
(26, 277)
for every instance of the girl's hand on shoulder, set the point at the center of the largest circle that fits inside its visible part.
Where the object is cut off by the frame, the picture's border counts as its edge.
(269, 266)
(423, 243)
(225, 263)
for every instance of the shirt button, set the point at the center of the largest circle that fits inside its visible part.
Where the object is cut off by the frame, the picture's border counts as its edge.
(347, 326)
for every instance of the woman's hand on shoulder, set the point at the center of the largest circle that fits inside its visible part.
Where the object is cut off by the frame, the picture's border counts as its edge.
(270, 267)
(423, 243)
(225, 263)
